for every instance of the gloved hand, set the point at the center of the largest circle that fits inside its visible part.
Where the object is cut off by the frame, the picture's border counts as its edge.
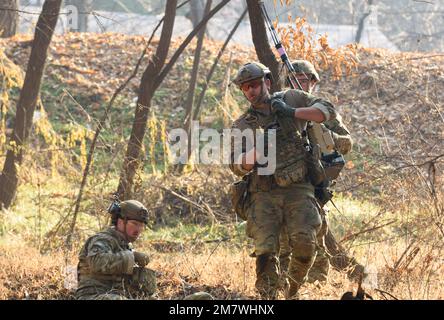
(278, 105)
(141, 258)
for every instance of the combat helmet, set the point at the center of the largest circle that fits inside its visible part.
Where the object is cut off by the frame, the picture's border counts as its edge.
(251, 71)
(129, 210)
(303, 66)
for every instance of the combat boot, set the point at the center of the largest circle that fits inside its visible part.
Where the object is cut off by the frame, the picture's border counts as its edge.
(267, 276)
(320, 268)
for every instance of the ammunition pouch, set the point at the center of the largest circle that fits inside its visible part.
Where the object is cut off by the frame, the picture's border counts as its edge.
(333, 164)
(316, 172)
(294, 173)
(240, 197)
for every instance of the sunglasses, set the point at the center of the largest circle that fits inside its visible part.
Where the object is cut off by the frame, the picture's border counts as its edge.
(251, 84)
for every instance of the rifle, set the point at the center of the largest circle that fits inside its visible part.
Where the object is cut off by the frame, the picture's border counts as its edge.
(294, 82)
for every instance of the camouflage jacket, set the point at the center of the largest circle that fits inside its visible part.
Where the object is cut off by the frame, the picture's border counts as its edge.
(106, 263)
(253, 119)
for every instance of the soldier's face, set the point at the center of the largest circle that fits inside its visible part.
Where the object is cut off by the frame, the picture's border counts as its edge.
(306, 82)
(255, 90)
(132, 229)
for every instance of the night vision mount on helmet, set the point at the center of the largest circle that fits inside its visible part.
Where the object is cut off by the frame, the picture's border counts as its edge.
(129, 210)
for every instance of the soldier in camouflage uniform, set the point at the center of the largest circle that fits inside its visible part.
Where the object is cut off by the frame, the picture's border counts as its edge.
(285, 198)
(336, 256)
(108, 268)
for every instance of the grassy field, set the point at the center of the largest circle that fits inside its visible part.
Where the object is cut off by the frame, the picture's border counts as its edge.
(189, 257)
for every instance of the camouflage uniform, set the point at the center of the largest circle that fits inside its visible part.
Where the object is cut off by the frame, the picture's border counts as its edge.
(336, 255)
(273, 207)
(107, 270)
(319, 270)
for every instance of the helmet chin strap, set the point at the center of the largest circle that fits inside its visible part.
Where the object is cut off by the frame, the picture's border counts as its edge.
(125, 221)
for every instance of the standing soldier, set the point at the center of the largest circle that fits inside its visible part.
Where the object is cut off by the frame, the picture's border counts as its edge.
(336, 256)
(286, 197)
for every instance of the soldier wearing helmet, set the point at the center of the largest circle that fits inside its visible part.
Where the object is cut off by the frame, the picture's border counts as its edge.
(109, 269)
(284, 199)
(337, 257)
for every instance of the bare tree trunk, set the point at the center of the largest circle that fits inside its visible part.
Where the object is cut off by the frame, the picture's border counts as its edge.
(192, 87)
(146, 92)
(196, 12)
(8, 18)
(28, 100)
(131, 161)
(361, 24)
(99, 128)
(83, 7)
(261, 44)
(197, 110)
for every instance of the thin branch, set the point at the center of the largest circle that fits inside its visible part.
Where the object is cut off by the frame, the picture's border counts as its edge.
(197, 111)
(385, 292)
(187, 200)
(187, 40)
(354, 235)
(99, 129)
(395, 170)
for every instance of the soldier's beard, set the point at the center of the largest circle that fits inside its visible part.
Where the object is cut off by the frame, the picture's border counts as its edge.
(129, 237)
(260, 99)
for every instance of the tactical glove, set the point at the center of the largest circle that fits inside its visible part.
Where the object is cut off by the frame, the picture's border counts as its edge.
(278, 105)
(141, 258)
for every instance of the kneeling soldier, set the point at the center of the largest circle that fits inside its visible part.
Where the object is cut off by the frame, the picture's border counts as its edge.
(108, 268)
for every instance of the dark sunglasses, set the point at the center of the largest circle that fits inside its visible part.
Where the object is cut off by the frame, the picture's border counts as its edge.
(250, 84)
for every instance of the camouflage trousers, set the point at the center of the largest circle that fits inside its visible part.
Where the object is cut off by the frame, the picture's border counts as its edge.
(330, 252)
(268, 214)
(141, 283)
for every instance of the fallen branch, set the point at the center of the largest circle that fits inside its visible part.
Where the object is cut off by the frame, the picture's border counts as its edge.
(384, 293)
(206, 208)
(354, 235)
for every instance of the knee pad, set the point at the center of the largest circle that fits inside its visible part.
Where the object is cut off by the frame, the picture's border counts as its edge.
(304, 246)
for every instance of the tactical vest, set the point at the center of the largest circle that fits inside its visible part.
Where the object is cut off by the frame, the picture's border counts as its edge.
(290, 155)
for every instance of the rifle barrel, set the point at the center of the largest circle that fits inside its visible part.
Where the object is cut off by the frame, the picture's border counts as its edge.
(280, 48)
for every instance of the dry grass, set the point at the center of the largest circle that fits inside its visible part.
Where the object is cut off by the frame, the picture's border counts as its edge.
(226, 271)
(26, 274)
